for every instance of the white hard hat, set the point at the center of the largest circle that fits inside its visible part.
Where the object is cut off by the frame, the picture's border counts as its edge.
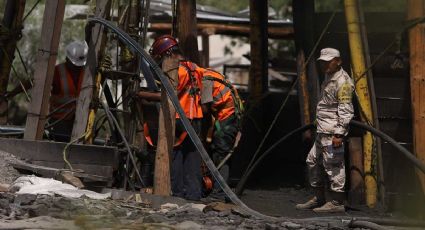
(76, 52)
(328, 54)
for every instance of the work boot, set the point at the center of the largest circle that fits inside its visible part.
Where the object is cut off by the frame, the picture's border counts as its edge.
(335, 205)
(317, 201)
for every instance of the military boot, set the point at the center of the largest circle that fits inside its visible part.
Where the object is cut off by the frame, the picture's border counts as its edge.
(335, 205)
(317, 201)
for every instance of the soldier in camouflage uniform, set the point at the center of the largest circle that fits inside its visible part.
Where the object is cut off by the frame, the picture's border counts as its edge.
(334, 112)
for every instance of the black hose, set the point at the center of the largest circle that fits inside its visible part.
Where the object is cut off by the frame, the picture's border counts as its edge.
(410, 156)
(175, 101)
(419, 164)
(380, 221)
(240, 186)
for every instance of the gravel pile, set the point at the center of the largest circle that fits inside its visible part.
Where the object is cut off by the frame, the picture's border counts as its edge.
(7, 173)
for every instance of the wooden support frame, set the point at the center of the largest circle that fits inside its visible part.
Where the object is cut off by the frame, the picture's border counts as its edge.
(415, 11)
(167, 120)
(187, 29)
(44, 69)
(258, 71)
(96, 42)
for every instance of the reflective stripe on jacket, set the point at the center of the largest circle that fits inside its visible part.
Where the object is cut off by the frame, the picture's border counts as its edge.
(188, 89)
(223, 105)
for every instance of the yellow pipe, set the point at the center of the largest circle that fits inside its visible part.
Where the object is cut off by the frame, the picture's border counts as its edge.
(92, 113)
(362, 89)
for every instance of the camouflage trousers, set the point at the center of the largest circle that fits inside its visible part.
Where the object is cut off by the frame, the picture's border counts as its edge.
(324, 161)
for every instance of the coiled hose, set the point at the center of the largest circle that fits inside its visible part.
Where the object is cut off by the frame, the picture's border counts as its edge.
(415, 161)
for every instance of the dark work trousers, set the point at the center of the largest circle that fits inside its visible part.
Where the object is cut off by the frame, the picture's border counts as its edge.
(222, 143)
(186, 176)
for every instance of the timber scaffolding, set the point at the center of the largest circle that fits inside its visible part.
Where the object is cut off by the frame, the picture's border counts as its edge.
(102, 162)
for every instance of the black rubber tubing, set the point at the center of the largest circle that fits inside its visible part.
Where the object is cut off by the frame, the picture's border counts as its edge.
(175, 101)
(365, 224)
(415, 161)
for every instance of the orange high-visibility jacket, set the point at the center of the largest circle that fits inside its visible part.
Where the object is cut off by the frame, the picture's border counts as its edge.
(188, 89)
(223, 105)
(64, 90)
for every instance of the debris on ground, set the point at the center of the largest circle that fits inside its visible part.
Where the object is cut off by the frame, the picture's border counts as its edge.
(7, 172)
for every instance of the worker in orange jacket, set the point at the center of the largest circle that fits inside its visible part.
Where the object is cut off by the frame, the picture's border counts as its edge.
(186, 177)
(220, 100)
(66, 88)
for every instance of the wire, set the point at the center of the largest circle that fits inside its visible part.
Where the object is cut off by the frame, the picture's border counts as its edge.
(331, 18)
(29, 12)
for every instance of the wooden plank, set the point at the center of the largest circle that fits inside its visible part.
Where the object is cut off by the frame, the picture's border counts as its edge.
(205, 50)
(96, 42)
(99, 170)
(275, 32)
(258, 71)
(12, 20)
(356, 194)
(52, 151)
(187, 29)
(44, 69)
(416, 10)
(53, 172)
(167, 120)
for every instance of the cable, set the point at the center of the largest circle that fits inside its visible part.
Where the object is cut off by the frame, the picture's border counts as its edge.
(186, 123)
(331, 18)
(415, 161)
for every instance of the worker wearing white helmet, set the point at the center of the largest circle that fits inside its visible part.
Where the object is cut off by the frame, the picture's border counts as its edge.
(66, 88)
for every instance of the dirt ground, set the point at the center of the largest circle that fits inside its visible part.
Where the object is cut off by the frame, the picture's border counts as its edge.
(125, 210)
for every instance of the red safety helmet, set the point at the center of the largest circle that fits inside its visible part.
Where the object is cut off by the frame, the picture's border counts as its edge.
(161, 45)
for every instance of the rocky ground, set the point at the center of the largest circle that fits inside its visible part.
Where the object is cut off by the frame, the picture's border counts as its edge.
(7, 173)
(126, 210)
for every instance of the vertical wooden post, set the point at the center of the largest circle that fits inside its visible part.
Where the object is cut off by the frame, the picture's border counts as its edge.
(258, 72)
(187, 29)
(356, 193)
(304, 42)
(415, 11)
(167, 119)
(205, 50)
(44, 68)
(96, 41)
(12, 20)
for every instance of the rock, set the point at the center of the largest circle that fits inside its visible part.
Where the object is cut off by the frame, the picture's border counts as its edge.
(291, 225)
(218, 207)
(4, 187)
(311, 227)
(25, 199)
(37, 210)
(4, 204)
(237, 211)
(69, 178)
(271, 227)
(155, 218)
(200, 207)
(188, 225)
(168, 207)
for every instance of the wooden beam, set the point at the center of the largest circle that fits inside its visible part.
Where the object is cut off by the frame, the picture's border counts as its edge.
(356, 193)
(276, 32)
(187, 29)
(97, 40)
(167, 120)
(44, 69)
(258, 71)
(415, 11)
(12, 21)
(205, 50)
